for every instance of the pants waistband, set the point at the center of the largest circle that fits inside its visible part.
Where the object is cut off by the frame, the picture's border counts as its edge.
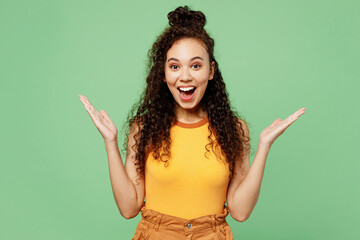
(156, 219)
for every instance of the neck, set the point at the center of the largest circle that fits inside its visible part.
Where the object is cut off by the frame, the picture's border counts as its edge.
(189, 115)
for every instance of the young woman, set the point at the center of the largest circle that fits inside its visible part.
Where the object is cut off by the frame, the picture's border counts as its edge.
(187, 151)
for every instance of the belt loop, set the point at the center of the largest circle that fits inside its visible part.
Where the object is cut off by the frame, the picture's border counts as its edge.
(227, 209)
(142, 206)
(213, 223)
(158, 222)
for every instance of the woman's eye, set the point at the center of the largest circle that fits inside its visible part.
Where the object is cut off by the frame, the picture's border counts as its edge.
(174, 67)
(196, 66)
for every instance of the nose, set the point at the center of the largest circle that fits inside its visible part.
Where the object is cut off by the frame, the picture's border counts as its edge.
(185, 74)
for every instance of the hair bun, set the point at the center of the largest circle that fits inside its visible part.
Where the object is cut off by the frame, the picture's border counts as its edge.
(184, 17)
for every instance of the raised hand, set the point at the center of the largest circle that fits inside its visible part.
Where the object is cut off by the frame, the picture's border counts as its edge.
(272, 132)
(101, 120)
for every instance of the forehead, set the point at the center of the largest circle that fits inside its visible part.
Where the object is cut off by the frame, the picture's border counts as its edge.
(187, 48)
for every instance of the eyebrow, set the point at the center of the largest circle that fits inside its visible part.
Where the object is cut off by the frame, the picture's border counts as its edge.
(175, 59)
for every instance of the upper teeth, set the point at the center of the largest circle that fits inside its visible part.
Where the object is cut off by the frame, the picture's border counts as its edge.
(187, 88)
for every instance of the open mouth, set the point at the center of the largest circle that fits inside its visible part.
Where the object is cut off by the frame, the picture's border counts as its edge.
(187, 93)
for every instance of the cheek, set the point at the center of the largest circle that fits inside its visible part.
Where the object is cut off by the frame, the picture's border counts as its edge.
(202, 76)
(203, 79)
(170, 78)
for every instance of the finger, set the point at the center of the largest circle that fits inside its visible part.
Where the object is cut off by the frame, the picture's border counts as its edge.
(86, 102)
(91, 112)
(299, 112)
(87, 106)
(287, 122)
(296, 114)
(104, 114)
(94, 114)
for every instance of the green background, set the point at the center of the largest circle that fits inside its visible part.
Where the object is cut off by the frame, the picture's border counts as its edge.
(275, 56)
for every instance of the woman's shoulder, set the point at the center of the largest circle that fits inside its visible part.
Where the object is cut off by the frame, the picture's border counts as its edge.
(243, 125)
(136, 124)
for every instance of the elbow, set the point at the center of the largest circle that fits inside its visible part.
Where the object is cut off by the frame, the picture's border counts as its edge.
(240, 217)
(127, 212)
(128, 215)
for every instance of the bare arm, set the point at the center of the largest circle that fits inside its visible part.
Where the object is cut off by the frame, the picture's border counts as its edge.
(244, 193)
(244, 188)
(128, 188)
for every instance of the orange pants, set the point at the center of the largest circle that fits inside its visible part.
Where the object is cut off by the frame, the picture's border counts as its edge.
(155, 225)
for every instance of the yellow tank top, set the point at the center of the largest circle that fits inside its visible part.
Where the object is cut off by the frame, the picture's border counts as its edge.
(191, 185)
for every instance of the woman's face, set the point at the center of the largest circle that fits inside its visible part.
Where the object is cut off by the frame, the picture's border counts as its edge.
(187, 72)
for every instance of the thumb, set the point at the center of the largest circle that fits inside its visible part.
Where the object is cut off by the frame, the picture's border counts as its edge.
(275, 122)
(104, 114)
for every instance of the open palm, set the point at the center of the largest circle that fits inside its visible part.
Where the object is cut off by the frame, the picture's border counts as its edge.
(101, 120)
(278, 127)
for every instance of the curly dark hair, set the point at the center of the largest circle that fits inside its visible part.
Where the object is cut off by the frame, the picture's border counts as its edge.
(155, 111)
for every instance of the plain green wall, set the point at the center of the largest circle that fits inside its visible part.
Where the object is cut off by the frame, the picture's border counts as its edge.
(275, 56)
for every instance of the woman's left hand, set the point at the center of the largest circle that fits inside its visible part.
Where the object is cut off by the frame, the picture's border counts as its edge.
(272, 132)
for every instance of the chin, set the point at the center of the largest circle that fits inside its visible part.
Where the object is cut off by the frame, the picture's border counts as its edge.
(188, 106)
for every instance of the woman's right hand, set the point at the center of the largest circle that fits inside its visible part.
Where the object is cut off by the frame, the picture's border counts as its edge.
(101, 120)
